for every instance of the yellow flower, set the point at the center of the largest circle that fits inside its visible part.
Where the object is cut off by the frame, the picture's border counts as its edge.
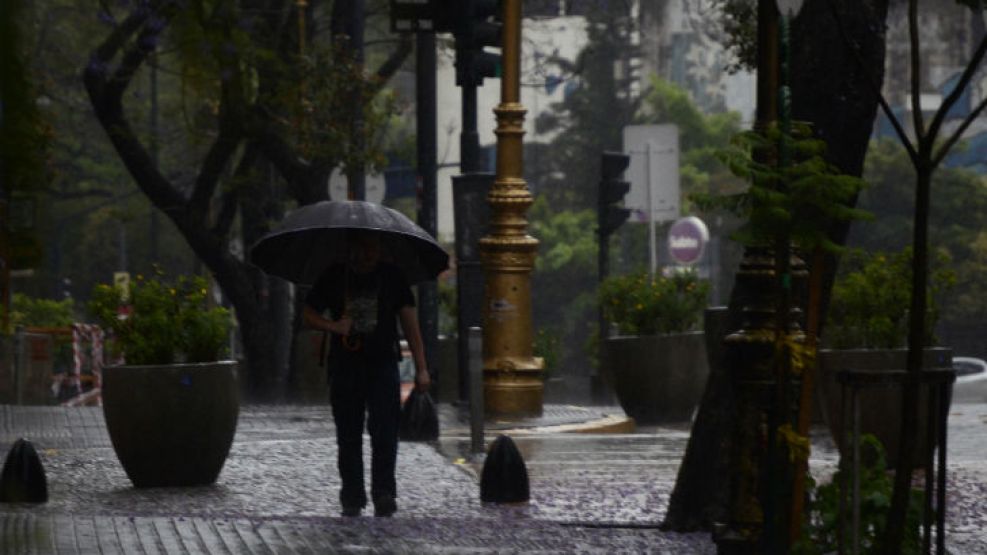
(172, 291)
(203, 291)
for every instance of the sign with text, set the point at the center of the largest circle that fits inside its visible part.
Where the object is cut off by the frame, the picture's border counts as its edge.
(687, 240)
(653, 172)
(412, 16)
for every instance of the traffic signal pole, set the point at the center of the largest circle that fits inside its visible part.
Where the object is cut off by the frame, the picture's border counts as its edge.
(469, 138)
(428, 297)
(476, 27)
(612, 189)
(476, 24)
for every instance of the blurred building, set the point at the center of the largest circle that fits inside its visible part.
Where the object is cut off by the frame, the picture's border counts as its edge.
(677, 40)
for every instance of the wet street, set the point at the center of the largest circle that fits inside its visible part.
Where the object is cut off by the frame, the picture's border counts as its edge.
(591, 492)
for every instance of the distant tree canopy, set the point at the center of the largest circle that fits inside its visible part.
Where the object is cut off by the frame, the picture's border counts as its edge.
(591, 118)
(565, 277)
(957, 224)
(269, 112)
(25, 135)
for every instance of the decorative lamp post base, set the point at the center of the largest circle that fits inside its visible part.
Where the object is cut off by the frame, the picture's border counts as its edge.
(514, 394)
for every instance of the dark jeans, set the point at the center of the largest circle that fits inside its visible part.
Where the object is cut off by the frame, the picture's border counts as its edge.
(373, 387)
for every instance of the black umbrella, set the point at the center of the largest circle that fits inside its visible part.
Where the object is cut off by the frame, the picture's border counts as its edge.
(313, 237)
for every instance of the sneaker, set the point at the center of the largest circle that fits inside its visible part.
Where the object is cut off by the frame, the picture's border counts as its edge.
(385, 506)
(354, 510)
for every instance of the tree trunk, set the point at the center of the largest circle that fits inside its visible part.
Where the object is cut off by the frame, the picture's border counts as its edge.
(916, 343)
(839, 95)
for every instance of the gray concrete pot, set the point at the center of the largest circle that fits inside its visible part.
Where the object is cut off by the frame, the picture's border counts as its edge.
(657, 378)
(880, 407)
(171, 425)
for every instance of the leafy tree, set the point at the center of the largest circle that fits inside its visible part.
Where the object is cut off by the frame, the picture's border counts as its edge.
(25, 135)
(45, 313)
(568, 239)
(831, 92)
(591, 118)
(236, 60)
(90, 218)
(956, 223)
(564, 279)
(927, 146)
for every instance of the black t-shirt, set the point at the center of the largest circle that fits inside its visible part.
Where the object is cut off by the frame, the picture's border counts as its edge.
(371, 300)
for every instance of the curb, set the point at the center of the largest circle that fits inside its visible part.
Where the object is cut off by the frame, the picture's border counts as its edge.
(607, 425)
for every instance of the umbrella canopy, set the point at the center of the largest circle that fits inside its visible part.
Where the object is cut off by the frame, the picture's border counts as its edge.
(313, 237)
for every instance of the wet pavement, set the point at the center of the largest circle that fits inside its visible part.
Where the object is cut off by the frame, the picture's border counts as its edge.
(591, 492)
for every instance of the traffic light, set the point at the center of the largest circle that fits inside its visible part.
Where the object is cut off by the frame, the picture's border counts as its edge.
(479, 24)
(612, 190)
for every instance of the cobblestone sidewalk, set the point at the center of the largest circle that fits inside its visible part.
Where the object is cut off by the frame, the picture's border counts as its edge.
(277, 494)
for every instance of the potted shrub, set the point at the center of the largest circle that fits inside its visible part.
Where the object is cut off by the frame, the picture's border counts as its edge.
(171, 403)
(656, 361)
(866, 329)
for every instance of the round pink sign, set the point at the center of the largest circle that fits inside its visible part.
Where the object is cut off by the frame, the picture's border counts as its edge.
(687, 240)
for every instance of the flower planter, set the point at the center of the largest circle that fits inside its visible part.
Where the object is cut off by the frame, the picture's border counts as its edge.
(171, 425)
(880, 407)
(657, 378)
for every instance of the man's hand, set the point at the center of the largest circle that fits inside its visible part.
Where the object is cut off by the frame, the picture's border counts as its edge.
(343, 326)
(423, 380)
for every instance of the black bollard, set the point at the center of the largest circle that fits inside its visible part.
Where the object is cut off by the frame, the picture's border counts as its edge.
(505, 476)
(23, 478)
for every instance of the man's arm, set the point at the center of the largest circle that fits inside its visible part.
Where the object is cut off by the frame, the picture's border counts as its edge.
(409, 323)
(316, 321)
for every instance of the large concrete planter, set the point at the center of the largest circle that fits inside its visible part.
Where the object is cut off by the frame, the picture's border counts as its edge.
(880, 407)
(657, 378)
(171, 425)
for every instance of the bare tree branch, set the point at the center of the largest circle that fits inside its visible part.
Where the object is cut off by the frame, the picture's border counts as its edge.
(68, 194)
(954, 95)
(944, 149)
(133, 58)
(882, 102)
(284, 157)
(916, 59)
(225, 145)
(393, 63)
(108, 107)
(227, 212)
(108, 49)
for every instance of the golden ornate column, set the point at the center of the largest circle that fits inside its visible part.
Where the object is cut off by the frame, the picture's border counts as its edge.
(512, 375)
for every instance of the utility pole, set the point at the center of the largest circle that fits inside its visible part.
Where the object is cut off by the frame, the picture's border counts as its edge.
(425, 85)
(476, 24)
(611, 190)
(155, 155)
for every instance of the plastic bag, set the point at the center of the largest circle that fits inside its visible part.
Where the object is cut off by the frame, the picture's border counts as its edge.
(419, 418)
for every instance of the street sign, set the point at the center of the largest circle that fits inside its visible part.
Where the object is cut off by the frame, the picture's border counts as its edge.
(653, 172)
(412, 16)
(687, 239)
